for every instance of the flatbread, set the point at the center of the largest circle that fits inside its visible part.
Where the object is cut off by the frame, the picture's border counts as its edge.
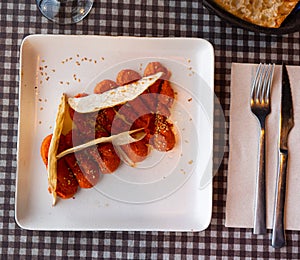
(118, 139)
(264, 13)
(113, 97)
(52, 160)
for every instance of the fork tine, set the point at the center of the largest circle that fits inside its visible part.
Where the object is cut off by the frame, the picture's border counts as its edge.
(262, 82)
(255, 82)
(265, 79)
(270, 79)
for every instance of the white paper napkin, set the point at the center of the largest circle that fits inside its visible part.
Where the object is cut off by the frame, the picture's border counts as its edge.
(243, 150)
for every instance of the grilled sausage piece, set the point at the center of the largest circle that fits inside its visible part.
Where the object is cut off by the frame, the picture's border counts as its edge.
(67, 184)
(45, 148)
(167, 95)
(164, 138)
(105, 119)
(104, 154)
(110, 159)
(105, 85)
(84, 168)
(137, 151)
(155, 67)
(127, 76)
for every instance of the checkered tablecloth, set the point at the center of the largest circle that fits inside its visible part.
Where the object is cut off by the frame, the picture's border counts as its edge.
(153, 18)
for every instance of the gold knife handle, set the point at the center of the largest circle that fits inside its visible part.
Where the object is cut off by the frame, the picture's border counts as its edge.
(260, 195)
(278, 234)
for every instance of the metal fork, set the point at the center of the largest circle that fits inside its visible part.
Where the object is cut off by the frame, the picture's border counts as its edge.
(261, 107)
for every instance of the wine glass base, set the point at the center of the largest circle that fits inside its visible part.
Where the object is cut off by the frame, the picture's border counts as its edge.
(65, 11)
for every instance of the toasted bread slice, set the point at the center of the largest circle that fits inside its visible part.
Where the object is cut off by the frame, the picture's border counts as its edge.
(264, 13)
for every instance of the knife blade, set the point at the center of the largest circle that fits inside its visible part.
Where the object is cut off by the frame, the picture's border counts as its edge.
(285, 125)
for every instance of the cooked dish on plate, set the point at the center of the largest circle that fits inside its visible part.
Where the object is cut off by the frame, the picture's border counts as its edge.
(121, 121)
(265, 13)
(156, 188)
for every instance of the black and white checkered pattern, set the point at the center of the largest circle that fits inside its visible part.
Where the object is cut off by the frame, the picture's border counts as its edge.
(155, 18)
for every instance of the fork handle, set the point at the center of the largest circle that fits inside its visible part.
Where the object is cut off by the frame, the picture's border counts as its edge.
(260, 195)
(278, 234)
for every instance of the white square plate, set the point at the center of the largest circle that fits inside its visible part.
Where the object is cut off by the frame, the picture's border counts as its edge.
(162, 193)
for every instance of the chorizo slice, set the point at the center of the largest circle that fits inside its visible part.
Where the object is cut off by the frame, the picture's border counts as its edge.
(155, 67)
(119, 126)
(104, 154)
(104, 86)
(128, 114)
(84, 168)
(127, 76)
(164, 138)
(86, 123)
(45, 148)
(67, 184)
(105, 119)
(167, 95)
(139, 107)
(109, 157)
(136, 151)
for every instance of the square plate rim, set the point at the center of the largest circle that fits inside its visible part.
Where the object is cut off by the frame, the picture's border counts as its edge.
(33, 37)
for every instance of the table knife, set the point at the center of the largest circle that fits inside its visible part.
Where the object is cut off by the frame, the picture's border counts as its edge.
(286, 124)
